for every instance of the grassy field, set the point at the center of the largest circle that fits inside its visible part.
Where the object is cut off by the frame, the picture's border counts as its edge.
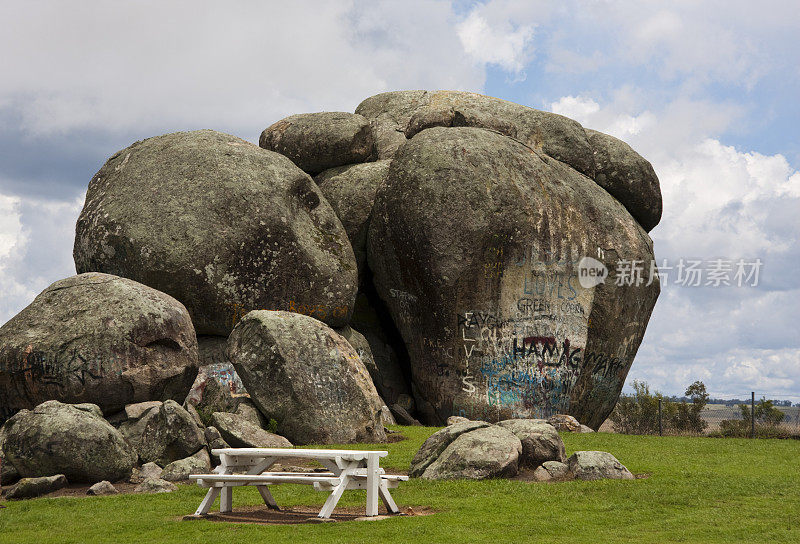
(698, 490)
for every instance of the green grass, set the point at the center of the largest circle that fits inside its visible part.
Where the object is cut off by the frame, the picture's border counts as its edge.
(699, 490)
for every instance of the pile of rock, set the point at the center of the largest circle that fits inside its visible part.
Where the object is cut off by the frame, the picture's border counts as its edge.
(476, 450)
(151, 444)
(413, 260)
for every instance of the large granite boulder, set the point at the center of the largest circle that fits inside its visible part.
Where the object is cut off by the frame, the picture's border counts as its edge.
(221, 225)
(486, 452)
(540, 441)
(240, 432)
(436, 443)
(475, 244)
(307, 377)
(611, 163)
(100, 339)
(56, 438)
(597, 465)
(318, 141)
(163, 434)
(351, 192)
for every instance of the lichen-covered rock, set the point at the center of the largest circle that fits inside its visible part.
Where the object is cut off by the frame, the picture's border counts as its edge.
(155, 485)
(390, 114)
(475, 243)
(214, 440)
(146, 471)
(136, 411)
(318, 141)
(436, 443)
(307, 377)
(221, 225)
(240, 432)
(199, 463)
(564, 422)
(56, 438)
(28, 488)
(610, 162)
(552, 471)
(247, 410)
(96, 338)
(164, 434)
(351, 192)
(628, 177)
(452, 420)
(102, 488)
(597, 465)
(487, 452)
(540, 441)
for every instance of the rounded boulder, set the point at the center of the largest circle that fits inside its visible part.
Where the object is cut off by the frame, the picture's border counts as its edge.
(99, 339)
(221, 225)
(56, 438)
(307, 377)
(318, 141)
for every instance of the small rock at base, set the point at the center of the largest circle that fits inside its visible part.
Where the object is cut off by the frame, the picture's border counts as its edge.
(564, 422)
(552, 471)
(155, 485)
(146, 472)
(28, 488)
(455, 419)
(102, 488)
(597, 465)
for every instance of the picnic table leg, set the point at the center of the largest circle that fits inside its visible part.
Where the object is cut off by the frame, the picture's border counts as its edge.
(269, 500)
(388, 501)
(336, 494)
(209, 499)
(373, 481)
(226, 499)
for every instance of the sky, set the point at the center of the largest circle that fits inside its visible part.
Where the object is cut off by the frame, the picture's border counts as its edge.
(706, 91)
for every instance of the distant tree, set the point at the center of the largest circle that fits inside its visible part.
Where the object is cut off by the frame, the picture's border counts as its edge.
(765, 413)
(687, 417)
(637, 413)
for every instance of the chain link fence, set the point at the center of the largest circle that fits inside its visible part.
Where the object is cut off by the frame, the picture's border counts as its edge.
(751, 416)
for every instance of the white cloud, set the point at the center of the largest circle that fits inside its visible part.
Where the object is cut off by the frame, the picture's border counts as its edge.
(36, 239)
(235, 66)
(504, 45)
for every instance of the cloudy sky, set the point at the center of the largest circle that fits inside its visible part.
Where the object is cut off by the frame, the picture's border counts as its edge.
(708, 92)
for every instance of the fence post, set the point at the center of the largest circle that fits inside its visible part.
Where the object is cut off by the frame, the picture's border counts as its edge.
(660, 420)
(752, 414)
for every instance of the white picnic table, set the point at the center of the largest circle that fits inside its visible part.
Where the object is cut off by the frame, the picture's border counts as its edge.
(347, 469)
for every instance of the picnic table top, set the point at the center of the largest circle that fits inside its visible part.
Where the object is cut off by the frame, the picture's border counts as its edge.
(299, 452)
